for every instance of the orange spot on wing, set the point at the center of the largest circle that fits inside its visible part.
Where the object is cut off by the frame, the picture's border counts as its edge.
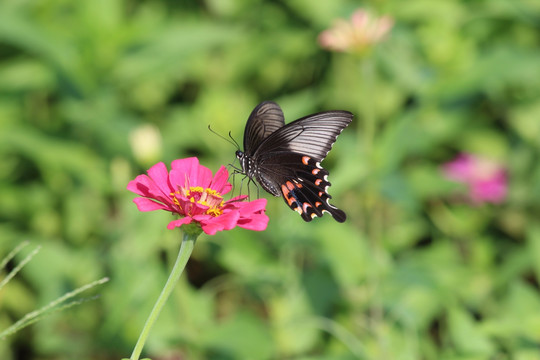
(287, 195)
(318, 182)
(318, 203)
(289, 185)
(284, 190)
(315, 171)
(305, 159)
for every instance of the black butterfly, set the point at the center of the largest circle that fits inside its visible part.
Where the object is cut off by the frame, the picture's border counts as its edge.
(285, 159)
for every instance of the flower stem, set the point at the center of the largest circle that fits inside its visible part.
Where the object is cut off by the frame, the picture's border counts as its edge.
(367, 104)
(186, 248)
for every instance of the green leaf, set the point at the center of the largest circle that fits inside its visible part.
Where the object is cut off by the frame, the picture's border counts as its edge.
(467, 335)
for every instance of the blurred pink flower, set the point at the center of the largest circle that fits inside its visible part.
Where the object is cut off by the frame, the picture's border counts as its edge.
(190, 191)
(486, 179)
(357, 35)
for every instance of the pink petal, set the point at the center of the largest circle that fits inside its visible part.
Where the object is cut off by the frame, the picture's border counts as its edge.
(460, 169)
(160, 175)
(144, 204)
(360, 18)
(252, 215)
(253, 206)
(197, 209)
(220, 183)
(185, 206)
(180, 175)
(177, 223)
(257, 222)
(145, 186)
(226, 221)
(325, 39)
(204, 177)
(383, 27)
(185, 164)
(489, 191)
(178, 178)
(140, 185)
(339, 37)
(189, 168)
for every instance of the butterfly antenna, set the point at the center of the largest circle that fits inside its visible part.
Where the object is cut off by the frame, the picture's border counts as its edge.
(233, 142)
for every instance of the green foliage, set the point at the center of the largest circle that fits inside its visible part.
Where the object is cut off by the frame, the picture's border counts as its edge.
(56, 305)
(414, 273)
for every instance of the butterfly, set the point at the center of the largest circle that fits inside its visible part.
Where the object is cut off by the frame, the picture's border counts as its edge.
(286, 159)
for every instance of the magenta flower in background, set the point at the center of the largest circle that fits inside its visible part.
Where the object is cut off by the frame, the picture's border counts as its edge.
(191, 191)
(486, 179)
(356, 35)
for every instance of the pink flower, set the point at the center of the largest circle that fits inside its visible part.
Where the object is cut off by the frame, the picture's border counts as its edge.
(357, 35)
(190, 191)
(486, 179)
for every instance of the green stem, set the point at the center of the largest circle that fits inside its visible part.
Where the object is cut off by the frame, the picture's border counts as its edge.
(368, 106)
(374, 216)
(188, 242)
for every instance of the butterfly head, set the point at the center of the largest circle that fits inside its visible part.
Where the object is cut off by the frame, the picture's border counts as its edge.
(241, 156)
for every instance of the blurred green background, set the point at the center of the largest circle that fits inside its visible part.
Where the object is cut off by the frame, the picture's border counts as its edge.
(94, 92)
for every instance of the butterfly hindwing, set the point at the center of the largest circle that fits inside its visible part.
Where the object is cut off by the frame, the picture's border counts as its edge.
(302, 182)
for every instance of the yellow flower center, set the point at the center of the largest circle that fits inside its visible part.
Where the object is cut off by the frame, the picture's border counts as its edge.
(198, 195)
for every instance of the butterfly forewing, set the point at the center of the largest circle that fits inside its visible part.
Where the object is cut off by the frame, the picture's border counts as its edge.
(285, 159)
(312, 135)
(265, 119)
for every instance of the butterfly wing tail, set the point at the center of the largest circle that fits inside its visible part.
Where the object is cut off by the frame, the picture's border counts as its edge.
(309, 201)
(337, 214)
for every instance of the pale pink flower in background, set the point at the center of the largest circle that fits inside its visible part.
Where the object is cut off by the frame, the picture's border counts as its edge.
(356, 35)
(486, 179)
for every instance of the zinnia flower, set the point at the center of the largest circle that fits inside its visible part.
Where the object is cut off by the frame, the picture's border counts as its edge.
(486, 179)
(190, 191)
(357, 35)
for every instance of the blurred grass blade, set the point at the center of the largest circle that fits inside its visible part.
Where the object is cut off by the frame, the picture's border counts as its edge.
(14, 272)
(342, 334)
(52, 307)
(12, 254)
